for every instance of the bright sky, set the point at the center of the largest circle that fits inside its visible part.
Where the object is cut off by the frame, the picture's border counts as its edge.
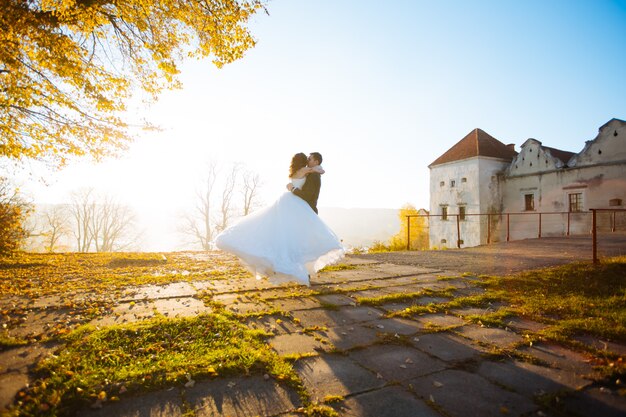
(381, 89)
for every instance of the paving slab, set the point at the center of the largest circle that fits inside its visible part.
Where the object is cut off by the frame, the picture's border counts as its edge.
(595, 402)
(180, 307)
(603, 345)
(10, 384)
(348, 275)
(273, 324)
(332, 318)
(39, 322)
(392, 269)
(494, 336)
(439, 320)
(350, 336)
(396, 363)
(531, 380)
(294, 343)
(337, 375)
(447, 346)
(165, 403)
(293, 304)
(335, 300)
(247, 396)
(397, 306)
(559, 357)
(395, 326)
(19, 359)
(524, 324)
(390, 401)
(253, 307)
(151, 292)
(463, 394)
(126, 312)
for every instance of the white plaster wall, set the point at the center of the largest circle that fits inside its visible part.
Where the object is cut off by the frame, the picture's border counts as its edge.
(598, 185)
(473, 194)
(608, 146)
(532, 159)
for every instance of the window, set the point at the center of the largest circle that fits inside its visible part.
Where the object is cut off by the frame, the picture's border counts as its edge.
(442, 183)
(529, 202)
(461, 212)
(463, 179)
(444, 213)
(615, 202)
(452, 183)
(576, 202)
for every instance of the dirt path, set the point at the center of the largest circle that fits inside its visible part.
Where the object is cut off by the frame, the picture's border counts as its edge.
(508, 258)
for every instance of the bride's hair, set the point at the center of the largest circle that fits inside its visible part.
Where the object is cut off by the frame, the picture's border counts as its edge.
(298, 161)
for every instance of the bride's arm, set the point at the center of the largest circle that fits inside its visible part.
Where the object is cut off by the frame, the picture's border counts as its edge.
(317, 169)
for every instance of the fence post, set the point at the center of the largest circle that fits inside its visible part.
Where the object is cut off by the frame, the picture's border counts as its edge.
(568, 216)
(458, 232)
(613, 225)
(488, 228)
(594, 241)
(539, 226)
(408, 232)
(507, 228)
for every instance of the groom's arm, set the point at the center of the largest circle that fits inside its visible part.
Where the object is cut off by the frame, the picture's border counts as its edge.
(311, 188)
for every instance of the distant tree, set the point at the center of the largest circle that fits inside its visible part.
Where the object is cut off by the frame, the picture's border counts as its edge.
(56, 225)
(13, 213)
(68, 67)
(215, 205)
(226, 204)
(198, 226)
(419, 230)
(82, 209)
(250, 190)
(112, 225)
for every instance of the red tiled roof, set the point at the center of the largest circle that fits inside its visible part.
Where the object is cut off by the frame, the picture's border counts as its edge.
(476, 143)
(564, 156)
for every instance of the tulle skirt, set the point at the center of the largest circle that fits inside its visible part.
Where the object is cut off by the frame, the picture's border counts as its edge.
(285, 242)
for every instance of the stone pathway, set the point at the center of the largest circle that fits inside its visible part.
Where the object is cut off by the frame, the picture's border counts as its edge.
(367, 363)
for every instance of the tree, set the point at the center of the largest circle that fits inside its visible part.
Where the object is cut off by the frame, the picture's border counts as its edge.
(13, 213)
(419, 230)
(226, 209)
(82, 209)
(199, 225)
(67, 67)
(112, 225)
(250, 190)
(56, 226)
(215, 208)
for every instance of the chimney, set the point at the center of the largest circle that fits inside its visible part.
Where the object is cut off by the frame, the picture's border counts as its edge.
(511, 146)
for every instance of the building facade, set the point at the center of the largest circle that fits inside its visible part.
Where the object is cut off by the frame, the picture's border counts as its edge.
(496, 192)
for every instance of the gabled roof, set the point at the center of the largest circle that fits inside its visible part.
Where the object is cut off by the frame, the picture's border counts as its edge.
(476, 143)
(564, 156)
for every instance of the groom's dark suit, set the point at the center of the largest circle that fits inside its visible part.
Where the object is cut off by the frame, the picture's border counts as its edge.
(310, 190)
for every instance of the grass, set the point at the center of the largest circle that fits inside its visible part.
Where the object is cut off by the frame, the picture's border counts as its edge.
(575, 299)
(338, 267)
(38, 274)
(102, 365)
(402, 297)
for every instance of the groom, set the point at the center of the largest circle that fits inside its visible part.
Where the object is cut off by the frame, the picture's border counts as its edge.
(311, 189)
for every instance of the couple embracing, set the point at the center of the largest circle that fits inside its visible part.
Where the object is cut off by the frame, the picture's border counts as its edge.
(287, 241)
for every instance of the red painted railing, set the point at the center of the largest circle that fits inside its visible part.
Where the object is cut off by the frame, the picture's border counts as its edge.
(540, 221)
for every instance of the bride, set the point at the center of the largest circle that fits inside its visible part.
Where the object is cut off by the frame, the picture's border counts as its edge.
(286, 241)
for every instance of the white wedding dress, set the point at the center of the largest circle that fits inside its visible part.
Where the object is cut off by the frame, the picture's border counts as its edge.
(285, 242)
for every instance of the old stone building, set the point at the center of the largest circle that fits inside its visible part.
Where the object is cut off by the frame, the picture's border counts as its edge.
(497, 192)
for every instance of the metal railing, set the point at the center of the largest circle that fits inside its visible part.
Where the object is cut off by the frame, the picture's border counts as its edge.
(540, 222)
